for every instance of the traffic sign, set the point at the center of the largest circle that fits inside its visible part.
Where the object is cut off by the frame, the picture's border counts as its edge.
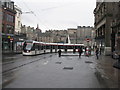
(87, 39)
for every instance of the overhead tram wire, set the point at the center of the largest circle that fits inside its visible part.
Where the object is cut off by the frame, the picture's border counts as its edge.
(30, 11)
(64, 5)
(34, 14)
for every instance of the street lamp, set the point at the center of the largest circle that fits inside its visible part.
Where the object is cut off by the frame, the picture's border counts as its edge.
(31, 12)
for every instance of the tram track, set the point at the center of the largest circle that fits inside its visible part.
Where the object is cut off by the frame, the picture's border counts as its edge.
(12, 61)
(21, 65)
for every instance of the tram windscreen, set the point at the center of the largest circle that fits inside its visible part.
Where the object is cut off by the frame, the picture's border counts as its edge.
(28, 46)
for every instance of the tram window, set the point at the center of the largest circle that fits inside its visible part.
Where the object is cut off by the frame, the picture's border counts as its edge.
(76, 47)
(53, 47)
(73, 47)
(65, 47)
(39, 47)
(42, 47)
(47, 47)
(36, 46)
(24, 45)
(70, 47)
(33, 48)
(50, 46)
(56, 47)
(27, 46)
(60, 47)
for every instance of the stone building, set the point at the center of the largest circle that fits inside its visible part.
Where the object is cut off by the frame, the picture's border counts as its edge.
(72, 35)
(23, 29)
(115, 37)
(38, 32)
(18, 20)
(85, 35)
(56, 36)
(104, 13)
(8, 26)
(29, 32)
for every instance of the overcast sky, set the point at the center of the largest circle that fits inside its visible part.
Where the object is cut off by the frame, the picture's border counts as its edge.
(57, 14)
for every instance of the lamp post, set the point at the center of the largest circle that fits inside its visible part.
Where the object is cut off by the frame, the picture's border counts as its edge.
(31, 12)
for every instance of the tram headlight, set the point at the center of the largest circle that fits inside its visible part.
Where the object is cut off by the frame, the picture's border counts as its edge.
(28, 51)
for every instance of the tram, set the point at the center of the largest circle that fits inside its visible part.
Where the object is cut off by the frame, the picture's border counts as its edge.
(31, 47)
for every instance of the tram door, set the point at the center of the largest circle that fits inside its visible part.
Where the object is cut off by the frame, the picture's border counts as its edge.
(66, 48)
(74, 49)
(56, 47)
(51, 48)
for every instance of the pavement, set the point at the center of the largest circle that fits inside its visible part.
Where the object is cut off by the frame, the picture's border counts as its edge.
(106, 74)
(105, 71)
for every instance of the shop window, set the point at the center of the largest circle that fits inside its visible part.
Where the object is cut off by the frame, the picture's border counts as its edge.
(10, 29)
(10, 18)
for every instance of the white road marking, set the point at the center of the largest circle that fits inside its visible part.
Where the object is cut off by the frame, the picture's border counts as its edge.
(46, 62)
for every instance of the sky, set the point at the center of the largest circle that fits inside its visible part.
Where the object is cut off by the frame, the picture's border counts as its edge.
(57, 14)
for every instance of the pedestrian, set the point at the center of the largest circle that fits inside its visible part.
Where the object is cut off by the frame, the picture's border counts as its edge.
(59, 53)
(85, 49)
(97, 52)
(90, 50)
(74, 50)
(80, 52)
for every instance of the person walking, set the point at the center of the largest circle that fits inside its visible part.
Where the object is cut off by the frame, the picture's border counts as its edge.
(85, 51)
(59, 53)
(97, 52)
(80, 52)
(74, 50)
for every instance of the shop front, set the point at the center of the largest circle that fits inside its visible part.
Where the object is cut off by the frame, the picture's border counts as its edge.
(18, 43)
(7, 43)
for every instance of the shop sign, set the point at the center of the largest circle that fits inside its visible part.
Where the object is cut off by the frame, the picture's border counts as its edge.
(11, 39)
(21, 39)
(8, 36)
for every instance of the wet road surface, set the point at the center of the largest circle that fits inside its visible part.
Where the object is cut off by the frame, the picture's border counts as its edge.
(50, 71)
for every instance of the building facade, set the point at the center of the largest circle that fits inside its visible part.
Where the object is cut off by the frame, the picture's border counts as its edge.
(8, 26)
(31, 33)
(1, 30)
(116, 30)
(18, 20)
(104, 13)
(72, 32)
(38, 31)
(53, 36)
(85, 35)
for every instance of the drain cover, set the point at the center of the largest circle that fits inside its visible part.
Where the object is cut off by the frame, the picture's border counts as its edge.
(58, 62)
(88, 62)
(68, 68)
